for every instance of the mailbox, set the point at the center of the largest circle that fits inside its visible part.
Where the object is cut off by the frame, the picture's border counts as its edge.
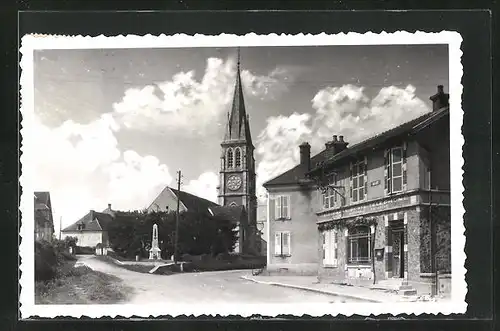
(379, 254)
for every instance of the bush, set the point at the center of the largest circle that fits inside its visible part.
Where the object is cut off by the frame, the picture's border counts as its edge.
(84, 250)
(49, 259)
(46, 261)
(186, 258)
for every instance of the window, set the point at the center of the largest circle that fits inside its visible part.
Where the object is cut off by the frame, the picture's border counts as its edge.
(282, 244)
(395, 169)
(237, 155)
(230, 158)
(358, 181)
(331, 195)
(359, 245)
(282, 207)
(330, 250)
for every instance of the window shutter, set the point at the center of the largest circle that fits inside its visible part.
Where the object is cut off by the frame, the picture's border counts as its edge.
(366, 178)
(323, 246)
(335, 251)
(286, 243)
(386, 171)
(277, 243)
(350, 180)
(277, 207)
(405, 179)
(271, 208)
(288, 201)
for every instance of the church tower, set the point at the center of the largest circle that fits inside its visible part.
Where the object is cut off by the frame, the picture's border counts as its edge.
(237, 170)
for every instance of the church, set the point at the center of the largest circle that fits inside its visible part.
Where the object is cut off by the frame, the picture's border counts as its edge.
(237, 188)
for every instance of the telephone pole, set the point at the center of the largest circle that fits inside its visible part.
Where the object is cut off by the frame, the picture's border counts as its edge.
(179, 175)
(60, 227)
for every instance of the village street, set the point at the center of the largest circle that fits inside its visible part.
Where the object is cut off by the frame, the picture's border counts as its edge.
(209, 287)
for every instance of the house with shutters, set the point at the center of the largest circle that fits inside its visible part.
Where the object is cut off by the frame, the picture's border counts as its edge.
(92, 229)
(375, 212)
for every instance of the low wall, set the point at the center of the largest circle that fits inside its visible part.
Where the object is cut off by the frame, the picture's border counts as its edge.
(444, 284)
(302, 269)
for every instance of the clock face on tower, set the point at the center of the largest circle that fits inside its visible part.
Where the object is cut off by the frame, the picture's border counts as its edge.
(234, 182)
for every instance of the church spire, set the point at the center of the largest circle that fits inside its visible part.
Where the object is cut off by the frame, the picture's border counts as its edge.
(238, 127)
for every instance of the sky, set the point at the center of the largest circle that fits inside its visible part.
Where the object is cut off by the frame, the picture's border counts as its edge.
(115, 125)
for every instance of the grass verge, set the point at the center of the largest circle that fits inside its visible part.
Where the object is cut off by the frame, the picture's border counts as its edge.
(81, 285)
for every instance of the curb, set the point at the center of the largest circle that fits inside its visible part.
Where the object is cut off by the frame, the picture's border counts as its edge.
(304, 288)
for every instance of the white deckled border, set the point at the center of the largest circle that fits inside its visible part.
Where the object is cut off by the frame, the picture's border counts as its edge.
(30, 43)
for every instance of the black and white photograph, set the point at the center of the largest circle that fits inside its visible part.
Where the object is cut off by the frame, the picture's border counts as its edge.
(242, 175)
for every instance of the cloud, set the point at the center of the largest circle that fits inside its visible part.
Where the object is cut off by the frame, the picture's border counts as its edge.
(82, 168)
(269, 86)
(205, 186)
(277, 146)
(345, 110)
(188, 106)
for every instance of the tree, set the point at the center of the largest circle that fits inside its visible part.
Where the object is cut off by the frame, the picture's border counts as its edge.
(199, 233)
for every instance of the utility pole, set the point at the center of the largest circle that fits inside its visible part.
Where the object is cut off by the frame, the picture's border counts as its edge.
(60, 227)
(179, 175)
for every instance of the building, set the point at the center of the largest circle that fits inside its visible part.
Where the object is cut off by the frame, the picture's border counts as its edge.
(375, 212)
(262, 227)
(291, 208)
(92, 229)
(44, 221)
(167, 201)
(237, 163)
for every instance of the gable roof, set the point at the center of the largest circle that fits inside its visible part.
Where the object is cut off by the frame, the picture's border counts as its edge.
(42, 200)
(405, 129)
(193, 202)
(296, 174)
(230, 213)
(94, 221)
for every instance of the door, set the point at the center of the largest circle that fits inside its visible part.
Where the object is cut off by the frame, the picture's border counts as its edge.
(398, 254)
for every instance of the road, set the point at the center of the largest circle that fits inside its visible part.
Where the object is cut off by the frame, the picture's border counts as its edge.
(203, 287)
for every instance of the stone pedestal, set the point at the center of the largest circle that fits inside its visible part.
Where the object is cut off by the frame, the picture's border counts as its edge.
(155, 252)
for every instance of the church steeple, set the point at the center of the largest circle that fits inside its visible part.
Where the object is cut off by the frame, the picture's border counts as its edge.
(238, 127)
(237, 179)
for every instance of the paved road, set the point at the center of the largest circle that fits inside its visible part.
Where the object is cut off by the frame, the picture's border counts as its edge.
(203, 287)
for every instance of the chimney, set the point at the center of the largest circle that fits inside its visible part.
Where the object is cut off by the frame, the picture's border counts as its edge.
(305, 156)
(440, 99)
(336, 145)
(109, 206)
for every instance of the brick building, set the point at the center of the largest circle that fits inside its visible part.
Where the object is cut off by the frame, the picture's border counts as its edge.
(375, 212)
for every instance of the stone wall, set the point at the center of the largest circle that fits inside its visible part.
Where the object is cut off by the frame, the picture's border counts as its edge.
(442, 218)
(413, 244)
(380, 242)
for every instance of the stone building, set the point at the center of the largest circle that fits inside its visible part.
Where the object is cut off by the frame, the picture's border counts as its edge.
(237, 185)
(375, 212)
(44, 222)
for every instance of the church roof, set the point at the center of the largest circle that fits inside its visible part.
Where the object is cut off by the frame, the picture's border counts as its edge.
(193, 202)
(92, 221)
(238, 127)
(230, 213)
